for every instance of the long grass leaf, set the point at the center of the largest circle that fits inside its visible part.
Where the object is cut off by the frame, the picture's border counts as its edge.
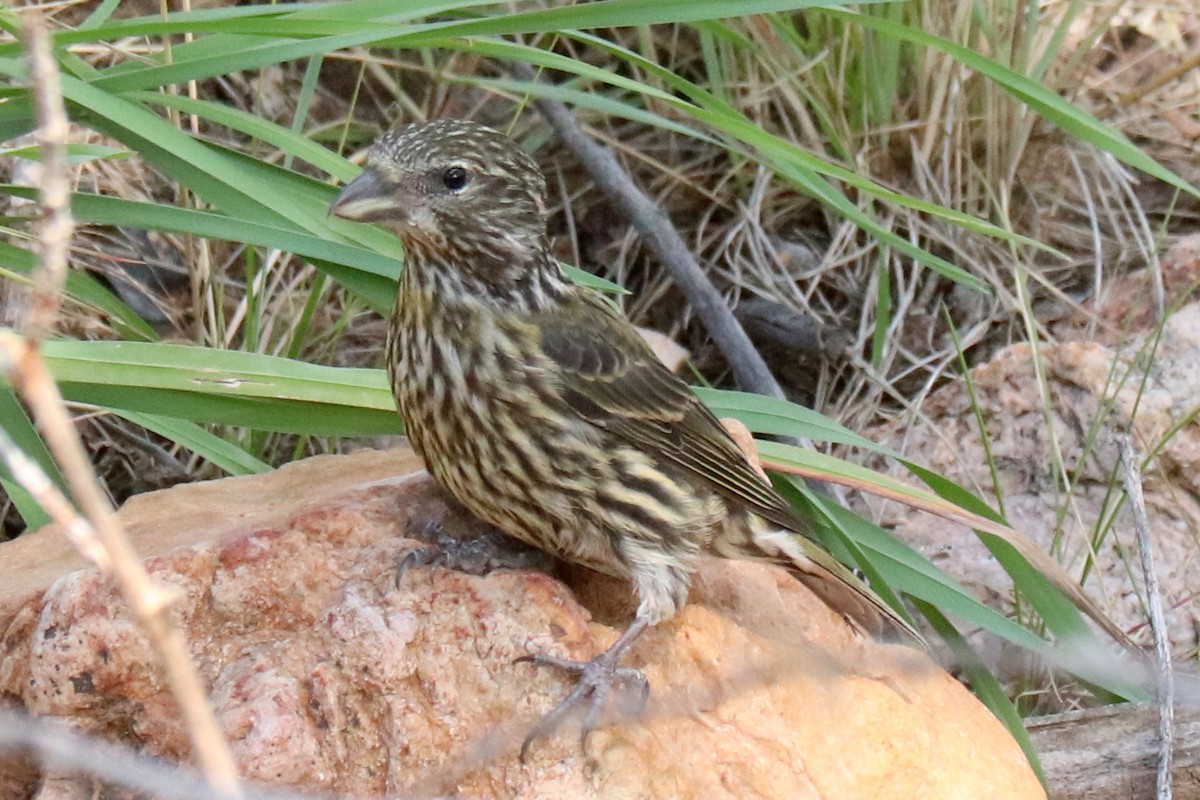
(983, 683)
(80, 288)
(16, 423)
(226, 455)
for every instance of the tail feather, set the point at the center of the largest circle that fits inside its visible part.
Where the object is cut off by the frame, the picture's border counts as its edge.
(838, 587)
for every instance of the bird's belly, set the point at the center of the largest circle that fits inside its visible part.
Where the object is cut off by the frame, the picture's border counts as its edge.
(488, 473)
(505, 454)
(495, 432)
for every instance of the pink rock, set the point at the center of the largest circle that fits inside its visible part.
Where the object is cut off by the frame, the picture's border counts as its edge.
(325, 676)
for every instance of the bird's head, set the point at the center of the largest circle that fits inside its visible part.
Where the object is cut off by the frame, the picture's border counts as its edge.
(451, 186)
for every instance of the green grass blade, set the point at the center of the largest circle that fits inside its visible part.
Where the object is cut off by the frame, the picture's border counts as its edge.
(224, 387)
(226, 455)
(254, 126)
(15, 423)
(272, 39)
(768, 415)
(903, 569)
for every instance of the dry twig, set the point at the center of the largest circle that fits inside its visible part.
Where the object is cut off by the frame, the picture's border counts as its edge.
(69, 752)
(56, 223)
(22, 365)
(1165, 687)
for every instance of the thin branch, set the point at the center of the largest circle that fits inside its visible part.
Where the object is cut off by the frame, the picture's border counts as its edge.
(29, 475)
(63, 751)
(1156, 82)
(1165, 687)
(748, 366)
(54, 189)
(22, 365)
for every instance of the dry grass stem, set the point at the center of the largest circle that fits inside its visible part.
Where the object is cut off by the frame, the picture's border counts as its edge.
(102, 540)
(29, 475)
(118, 765)
(1165, 685)
(25, 370)
(56, 223)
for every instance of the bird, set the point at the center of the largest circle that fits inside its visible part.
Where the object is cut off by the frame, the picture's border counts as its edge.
(540, 408)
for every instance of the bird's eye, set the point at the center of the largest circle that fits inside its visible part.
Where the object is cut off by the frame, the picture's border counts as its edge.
(455, 178)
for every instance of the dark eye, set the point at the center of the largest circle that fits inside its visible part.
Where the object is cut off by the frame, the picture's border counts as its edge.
(454, 178)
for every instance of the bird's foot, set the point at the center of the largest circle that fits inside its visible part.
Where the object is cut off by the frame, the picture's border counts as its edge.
(597, 679)
(465, 544)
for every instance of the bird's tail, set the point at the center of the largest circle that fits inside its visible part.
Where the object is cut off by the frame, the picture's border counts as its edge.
(837, 586)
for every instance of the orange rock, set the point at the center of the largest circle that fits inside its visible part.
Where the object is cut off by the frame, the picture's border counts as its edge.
(325, 676)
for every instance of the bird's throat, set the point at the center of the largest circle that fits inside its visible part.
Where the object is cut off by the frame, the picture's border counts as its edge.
(481, 280)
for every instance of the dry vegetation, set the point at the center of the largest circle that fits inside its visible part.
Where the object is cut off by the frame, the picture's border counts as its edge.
(945, 136)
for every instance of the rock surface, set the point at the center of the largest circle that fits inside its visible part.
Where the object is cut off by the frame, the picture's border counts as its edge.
(1095, 391)
(326, 676)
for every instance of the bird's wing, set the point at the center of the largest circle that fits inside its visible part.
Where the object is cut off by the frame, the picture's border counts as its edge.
(612, 378)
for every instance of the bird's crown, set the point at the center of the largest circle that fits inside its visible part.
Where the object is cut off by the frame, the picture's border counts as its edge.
(469, 204)
(450, 143)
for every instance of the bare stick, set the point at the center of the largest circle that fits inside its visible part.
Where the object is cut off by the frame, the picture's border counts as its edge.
(69, 752)
(31, 478)
(56, 224)
(1165, 687)
(149, 602)
(22, 365)
(748, 366)
(20, 362)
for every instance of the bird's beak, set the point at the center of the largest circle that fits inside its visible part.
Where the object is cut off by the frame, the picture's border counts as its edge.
(365, 199)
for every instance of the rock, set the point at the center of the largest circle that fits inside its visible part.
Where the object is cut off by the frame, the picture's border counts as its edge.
(1096, 393)
(326, 676)
(672, 354)
(1128, 307)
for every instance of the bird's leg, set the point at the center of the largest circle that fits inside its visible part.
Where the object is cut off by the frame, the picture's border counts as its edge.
(597, 678)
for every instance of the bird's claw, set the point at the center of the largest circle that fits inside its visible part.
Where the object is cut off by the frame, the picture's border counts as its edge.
(423, 556)
(469, 546)
(597, 678)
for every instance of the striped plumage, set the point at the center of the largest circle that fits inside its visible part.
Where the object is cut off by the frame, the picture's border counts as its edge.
(537, 404)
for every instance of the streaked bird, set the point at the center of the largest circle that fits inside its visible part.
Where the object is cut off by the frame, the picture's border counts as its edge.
(537, 405)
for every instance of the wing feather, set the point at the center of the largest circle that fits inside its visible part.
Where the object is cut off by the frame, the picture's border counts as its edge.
(612, 378)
